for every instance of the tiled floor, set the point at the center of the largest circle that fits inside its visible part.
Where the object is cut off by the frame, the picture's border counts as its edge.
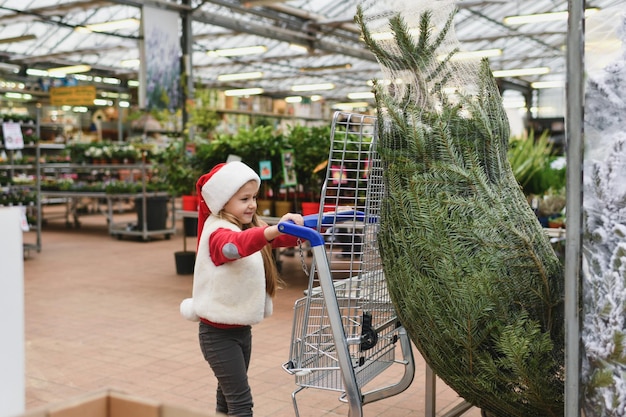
(103, 313)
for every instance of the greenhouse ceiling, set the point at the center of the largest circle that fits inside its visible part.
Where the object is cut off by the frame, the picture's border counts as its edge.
(303, 41)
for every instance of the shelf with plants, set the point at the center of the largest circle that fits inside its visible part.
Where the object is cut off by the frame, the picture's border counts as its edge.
(133, 186)
(19, 167)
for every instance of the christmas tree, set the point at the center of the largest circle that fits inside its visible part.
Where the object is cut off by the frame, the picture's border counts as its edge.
(469, 268)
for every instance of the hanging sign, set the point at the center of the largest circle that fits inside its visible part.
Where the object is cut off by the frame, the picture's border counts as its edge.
(265, 168)
(13, 138)
(80, 95)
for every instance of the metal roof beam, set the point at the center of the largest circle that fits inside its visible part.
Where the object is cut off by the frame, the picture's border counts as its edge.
(285, 35)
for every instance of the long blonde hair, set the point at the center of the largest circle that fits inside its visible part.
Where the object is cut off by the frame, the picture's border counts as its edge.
(273, 281)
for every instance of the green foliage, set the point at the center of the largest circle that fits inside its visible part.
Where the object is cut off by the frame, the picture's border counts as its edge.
(201, 111)
(469, 269)
(263, 143)
(179, 168)
(311, 146)
(531, 159)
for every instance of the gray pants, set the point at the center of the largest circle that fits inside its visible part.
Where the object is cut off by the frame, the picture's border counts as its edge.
(228, 353)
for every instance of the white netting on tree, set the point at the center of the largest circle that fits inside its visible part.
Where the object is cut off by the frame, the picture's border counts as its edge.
(444, 76)
(472, 274)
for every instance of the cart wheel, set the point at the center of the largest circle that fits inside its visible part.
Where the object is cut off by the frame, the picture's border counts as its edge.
(68, 224)
(119, 237)
(168, 236)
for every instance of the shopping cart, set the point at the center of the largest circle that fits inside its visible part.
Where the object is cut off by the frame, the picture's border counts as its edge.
(345, 330)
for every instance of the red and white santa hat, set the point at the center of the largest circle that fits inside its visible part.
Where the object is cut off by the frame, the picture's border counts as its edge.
(217, 186)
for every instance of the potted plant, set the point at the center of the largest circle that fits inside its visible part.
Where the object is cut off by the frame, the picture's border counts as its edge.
(311, 147)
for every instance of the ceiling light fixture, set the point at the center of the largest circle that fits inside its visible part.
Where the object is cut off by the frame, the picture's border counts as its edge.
(299, 48)
(240, 76)
(313, 87)
(245, 50)
(546, 84)
(361, 95)
(542, 17)
(15, 39)
(10, 67)
(130, 63)
(316, 97)
(466, 55)
(351, 105)
(385, 36)
(109, 26)
(243, 92)
(72, 69)
(293, 99)
(521, 72)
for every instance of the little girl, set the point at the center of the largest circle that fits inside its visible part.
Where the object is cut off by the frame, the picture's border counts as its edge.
(235, 278)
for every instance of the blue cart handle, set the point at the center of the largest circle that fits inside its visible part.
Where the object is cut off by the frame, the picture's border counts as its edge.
(308, 231)
(303, 232)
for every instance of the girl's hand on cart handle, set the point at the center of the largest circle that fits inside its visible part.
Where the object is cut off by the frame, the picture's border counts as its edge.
(294, 218)
(272, 232)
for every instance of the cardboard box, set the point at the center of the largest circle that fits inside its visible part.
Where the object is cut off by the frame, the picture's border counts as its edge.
(112, 404)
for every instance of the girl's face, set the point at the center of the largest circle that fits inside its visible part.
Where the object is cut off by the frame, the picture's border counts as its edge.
(242, 205)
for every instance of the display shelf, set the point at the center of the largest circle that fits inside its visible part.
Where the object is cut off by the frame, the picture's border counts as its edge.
(118, 228)
(16, 166)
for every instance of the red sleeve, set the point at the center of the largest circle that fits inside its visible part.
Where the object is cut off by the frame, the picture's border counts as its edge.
(244, 243)
(285, 241)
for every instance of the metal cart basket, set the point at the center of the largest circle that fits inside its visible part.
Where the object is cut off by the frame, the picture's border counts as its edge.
(345, 330)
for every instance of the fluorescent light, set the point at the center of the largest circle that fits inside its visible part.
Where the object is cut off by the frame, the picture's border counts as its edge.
(351, 105)
(243, 92)
(111, 80)
(547, 84)
(293, 99)
(299, 48)
(124, 104)
(109, 26)
(133, 83)
(316, 97)
(102, 102)
(10, 67)
(542, 17)
(72, 69)
(240, 76)
(466, 55)
(385, 36)
(521, 72)
(361, 95)
(246, 50)
(313, 87)
(18, 96)
(36, 72)
(130, 63)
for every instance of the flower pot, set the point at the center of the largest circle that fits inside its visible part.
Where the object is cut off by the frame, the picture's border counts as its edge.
(190, 202)
(156, 212)
(190, 226)
(282, 207)
(310, 207)
(185, 261)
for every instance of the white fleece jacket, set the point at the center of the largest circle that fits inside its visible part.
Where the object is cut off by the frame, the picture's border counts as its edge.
(232, 293)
